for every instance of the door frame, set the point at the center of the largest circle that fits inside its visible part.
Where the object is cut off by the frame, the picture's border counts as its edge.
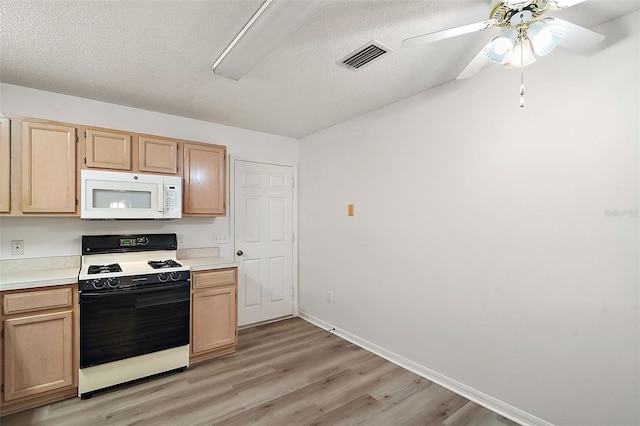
(294, 217)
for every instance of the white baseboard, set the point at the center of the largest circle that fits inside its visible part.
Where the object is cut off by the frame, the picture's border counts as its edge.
(472, 394)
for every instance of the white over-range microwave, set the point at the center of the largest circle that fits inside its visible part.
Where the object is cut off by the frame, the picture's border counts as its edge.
(116, 195)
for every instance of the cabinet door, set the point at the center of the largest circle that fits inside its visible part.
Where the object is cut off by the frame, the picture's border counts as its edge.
(48, 168)
(157, 155)
(214, 319)
(5, 166)
(108, 149)
(38, 354)
(204, 179)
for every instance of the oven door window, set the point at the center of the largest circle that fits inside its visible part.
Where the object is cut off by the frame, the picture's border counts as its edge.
(122, 324)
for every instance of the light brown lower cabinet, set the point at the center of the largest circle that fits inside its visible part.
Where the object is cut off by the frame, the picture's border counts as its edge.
(214, 313)
(39, 347)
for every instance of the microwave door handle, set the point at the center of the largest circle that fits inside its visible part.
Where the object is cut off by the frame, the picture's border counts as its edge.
(160, 197)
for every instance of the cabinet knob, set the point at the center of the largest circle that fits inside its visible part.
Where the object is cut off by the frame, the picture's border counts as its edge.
(239, 252)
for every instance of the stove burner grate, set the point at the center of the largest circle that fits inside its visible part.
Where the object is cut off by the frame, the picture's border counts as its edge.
(169, 263)
(104, 269)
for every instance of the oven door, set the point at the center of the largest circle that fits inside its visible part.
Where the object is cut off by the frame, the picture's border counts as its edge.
(121, 324)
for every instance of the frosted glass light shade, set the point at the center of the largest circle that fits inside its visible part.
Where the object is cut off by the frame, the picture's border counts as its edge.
(517, 59)
(500, 48)
(545, 36)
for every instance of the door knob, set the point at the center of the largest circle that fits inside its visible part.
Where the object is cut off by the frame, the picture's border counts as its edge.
(239, 252)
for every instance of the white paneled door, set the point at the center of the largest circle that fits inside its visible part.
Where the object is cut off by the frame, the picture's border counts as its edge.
(264, 240)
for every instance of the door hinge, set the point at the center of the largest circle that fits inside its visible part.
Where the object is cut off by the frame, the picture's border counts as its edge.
(293, 183)
(293, 237)
(293, 291)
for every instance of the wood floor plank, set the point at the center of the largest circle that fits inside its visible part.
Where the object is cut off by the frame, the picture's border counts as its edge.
(284, 373)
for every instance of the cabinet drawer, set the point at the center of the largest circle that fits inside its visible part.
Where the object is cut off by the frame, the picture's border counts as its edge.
(213, 278)
(15, 303)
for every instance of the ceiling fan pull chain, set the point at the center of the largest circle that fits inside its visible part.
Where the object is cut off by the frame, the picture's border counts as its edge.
(522, 74)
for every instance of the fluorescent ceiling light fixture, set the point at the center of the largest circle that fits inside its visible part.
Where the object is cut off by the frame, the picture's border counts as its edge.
(500, 47)
(545, 36)
(269, 27)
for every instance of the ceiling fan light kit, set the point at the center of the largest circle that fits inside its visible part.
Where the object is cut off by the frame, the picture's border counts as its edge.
(522, 55)
(545, 36)
(500, 48)
(525, 32)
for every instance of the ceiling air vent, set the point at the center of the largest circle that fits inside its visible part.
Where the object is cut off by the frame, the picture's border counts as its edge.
(364, 55)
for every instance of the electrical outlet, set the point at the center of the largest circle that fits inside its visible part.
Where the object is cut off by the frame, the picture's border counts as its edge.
(17, 247)
(329, 296)
(220, 239)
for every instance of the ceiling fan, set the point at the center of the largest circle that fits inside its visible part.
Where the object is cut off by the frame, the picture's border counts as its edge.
(526, 33)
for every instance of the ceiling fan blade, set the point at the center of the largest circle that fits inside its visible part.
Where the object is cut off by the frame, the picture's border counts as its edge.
(474, 66)
(577, 38)
(451, 32)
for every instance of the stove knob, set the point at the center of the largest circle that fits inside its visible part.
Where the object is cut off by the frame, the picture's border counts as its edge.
(162, 276)
(175, 276)
(113, 283)
(98, 283)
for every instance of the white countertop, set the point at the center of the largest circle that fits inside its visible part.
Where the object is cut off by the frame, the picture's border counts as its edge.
(212, 262)
(32, 278)
(19, 280)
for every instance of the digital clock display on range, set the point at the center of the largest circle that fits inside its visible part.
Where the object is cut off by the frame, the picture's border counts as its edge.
(127, 242)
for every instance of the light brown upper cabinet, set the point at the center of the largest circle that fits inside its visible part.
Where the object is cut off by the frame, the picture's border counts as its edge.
(157, 155)
(107, 149)
(204, 173)
(48, 168)
(5, 166)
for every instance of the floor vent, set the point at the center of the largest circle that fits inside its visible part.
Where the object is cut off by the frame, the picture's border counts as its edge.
(364, 55)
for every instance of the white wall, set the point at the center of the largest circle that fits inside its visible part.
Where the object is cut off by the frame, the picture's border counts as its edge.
(62, 236)
(494, 245)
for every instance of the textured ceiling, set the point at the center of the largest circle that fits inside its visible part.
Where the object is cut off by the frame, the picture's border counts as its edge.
(157, 55)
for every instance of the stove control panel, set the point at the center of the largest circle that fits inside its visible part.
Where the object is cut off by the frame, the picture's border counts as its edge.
(102, 284)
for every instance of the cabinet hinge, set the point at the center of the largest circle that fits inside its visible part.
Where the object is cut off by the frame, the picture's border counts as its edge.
(85, 160)
(76, 201)
(2, 335)
(85, 133)
(76, 138)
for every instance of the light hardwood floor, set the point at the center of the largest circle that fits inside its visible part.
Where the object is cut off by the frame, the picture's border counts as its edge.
(285, 373)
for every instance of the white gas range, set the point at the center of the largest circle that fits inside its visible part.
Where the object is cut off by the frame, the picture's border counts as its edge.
(134, 309)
